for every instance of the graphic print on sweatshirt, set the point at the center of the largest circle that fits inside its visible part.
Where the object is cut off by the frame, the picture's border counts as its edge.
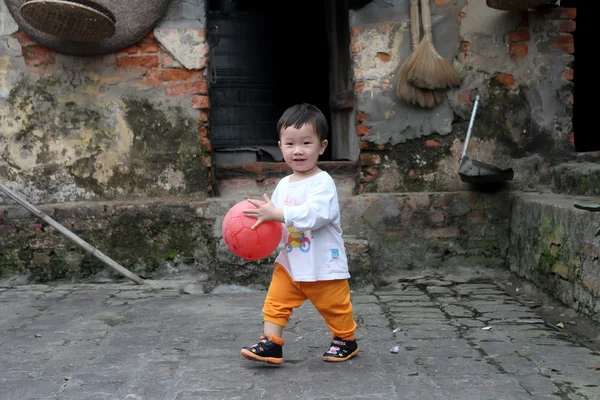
(296, 239)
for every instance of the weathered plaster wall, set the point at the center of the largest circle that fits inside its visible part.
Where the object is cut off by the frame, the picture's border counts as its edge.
(519, 63)
(125, 125)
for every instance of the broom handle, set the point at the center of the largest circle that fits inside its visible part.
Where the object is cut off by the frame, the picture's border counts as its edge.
(414, 23)
(426, 15)
(464, 153)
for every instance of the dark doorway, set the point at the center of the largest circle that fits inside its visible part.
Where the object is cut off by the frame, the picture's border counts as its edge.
(586, 138)
(267, 56)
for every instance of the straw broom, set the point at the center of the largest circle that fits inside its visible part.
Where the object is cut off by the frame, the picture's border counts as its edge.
(404, 90)
(430, 70)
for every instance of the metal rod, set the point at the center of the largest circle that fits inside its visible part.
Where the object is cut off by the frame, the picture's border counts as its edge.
(464, 153)
(95, 252)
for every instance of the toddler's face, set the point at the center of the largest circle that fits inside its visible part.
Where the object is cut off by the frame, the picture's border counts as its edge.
(301, 148)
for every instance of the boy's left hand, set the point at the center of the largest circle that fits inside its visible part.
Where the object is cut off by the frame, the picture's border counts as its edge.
(264, 212)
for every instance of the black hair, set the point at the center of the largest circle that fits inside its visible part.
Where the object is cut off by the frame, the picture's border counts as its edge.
(302, 114)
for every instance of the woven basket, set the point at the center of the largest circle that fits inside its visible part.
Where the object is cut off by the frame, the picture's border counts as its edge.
(514, 5)
(86, 27)
(78, 20)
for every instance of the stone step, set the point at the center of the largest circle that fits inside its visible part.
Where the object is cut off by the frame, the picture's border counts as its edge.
(577, 178)
(254, 179)
(359, 261)
(553, 244)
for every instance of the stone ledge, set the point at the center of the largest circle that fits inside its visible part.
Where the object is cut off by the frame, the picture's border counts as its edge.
(170, 238)
(577, 178)
(553, 245)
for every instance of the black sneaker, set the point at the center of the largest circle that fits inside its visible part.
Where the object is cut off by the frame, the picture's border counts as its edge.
(265, 351)
(341, 350)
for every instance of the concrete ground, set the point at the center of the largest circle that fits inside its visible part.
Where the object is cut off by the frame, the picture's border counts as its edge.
(458, 336)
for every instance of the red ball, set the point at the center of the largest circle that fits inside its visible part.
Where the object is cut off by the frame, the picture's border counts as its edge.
(244, 242)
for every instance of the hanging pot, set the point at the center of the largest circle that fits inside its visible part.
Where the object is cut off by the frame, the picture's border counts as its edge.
(86, 27)
(515, 5)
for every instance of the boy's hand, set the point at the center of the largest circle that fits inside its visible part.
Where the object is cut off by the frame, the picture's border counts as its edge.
(264, 212)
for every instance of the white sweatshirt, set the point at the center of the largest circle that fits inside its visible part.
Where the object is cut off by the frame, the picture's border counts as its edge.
(312, 234)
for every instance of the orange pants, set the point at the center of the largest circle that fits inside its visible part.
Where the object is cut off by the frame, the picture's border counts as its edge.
(330, 298)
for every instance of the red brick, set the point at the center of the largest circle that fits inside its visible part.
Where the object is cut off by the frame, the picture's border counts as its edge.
(384, 57)
(205, 145)
(129, 50)
(359, 87)
(363, 145)
(181, 75)
(203, 132)
(518, 51)
(137, 62)
(441, 202)
(362, 130)
(564, 43)
(465, 97)
(203, 116)
(556, 13)
(149, 47)
(153, 76)
(518, 36)
(362, 188)
(442, 2)
(386, 85)
(370, 159)
(568, 74)
(357, 30)
(464, 48)
(438, 217)
(567, 26)
(200, 87)
(206, 161)
(448, 232)
(370, 178)
(6, 229)
(38, 56)
(506, 79)
(168, 61)
(362, 117)
(354, 48)
(384, 26)
(41, 259)
(149, 36)
(432, 143)
(201, 102)
(23, 39)
(475, 215)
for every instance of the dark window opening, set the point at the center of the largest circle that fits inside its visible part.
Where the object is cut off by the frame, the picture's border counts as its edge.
(268, 56)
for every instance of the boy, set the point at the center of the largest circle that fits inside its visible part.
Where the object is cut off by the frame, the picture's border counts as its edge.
(313, 264)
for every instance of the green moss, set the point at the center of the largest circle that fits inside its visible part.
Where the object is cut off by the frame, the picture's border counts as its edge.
(581, 188)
